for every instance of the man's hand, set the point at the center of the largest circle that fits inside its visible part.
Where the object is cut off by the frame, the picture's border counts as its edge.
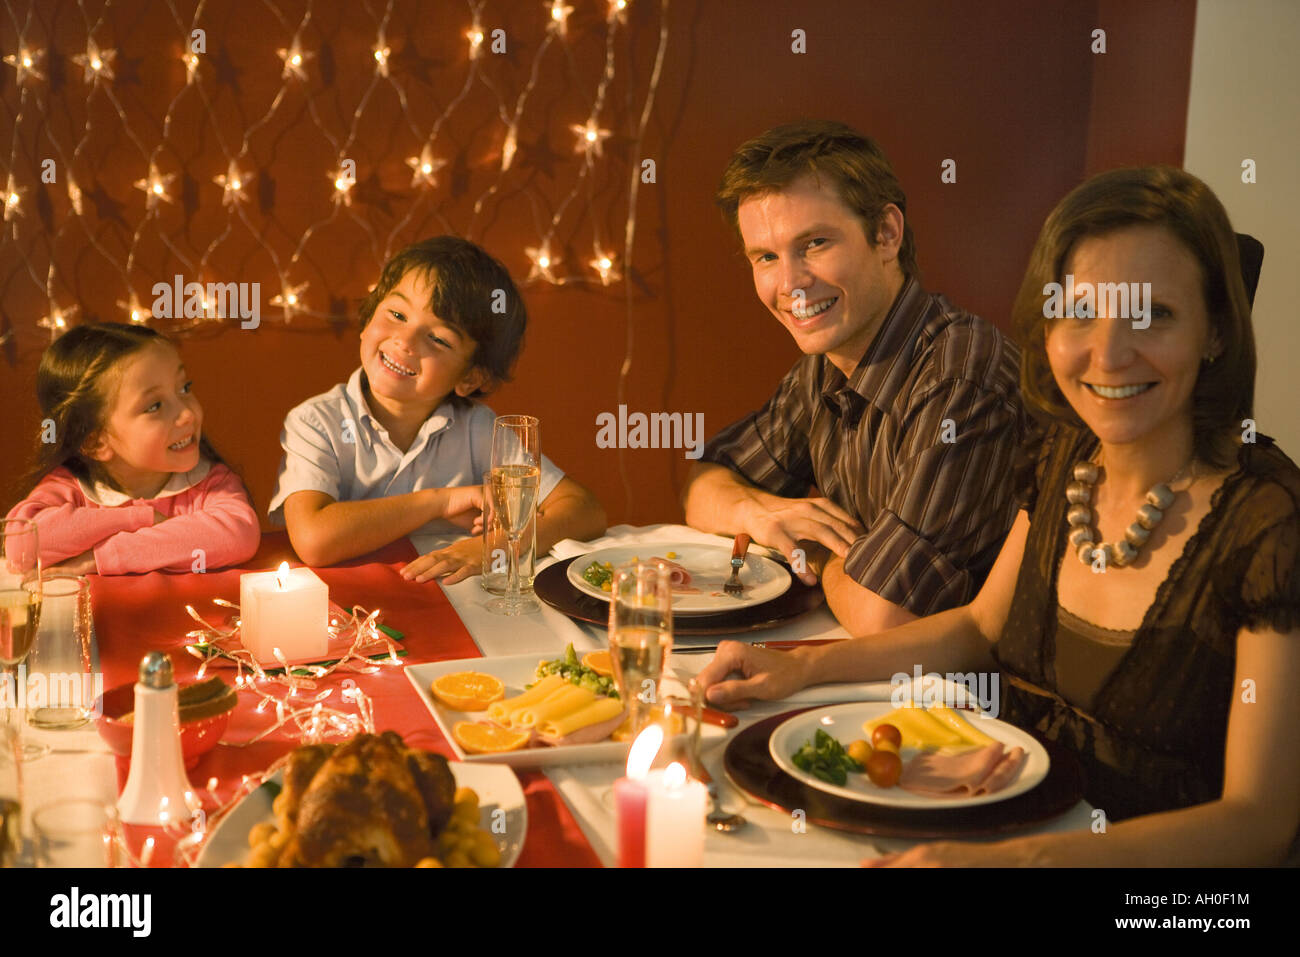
(787, 524)
(452, 564)
(83, 564)
(765, 675)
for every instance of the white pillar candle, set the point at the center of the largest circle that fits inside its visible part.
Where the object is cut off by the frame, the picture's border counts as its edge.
(286, 609)
(675, 814)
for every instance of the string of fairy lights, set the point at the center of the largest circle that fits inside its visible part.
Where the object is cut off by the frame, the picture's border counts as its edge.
(234, 165)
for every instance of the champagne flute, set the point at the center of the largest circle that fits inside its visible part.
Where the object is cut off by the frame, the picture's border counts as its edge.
(20, 614)
(514, 499)
(640, 635)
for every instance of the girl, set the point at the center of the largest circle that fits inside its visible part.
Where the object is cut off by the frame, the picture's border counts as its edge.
(1166, 664)
(127, 481)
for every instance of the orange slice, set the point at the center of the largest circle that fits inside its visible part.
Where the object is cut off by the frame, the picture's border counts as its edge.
(599, 662)
(468, 690)
(488, 738)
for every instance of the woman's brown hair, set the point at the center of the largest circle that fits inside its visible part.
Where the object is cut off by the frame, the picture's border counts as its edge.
(73, 387)
(1176, 200)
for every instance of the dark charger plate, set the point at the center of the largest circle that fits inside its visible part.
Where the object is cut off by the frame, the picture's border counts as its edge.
(552, 586)
(749, 764)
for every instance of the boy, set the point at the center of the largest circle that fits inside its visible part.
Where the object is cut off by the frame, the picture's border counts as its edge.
(401, 447)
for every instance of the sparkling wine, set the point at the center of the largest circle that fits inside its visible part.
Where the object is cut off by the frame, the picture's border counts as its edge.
(514, 493)
(638, 656)
(10, 832)
(20, 617)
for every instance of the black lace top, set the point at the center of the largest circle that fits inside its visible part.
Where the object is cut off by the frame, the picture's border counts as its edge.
(1153, 737)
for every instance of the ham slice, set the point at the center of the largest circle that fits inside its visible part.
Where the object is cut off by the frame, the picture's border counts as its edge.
(678, 577)
(970, 774)
(588, 735)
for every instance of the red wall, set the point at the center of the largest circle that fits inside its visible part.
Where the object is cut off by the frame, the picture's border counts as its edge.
(1010, 90)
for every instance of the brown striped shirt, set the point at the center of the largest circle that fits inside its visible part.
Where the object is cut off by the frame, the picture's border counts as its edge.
(918, 443)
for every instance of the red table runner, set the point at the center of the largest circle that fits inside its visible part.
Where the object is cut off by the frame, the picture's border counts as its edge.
(136, 614)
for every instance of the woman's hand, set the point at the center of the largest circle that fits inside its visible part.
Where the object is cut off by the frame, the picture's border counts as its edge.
(766, 675)
(452, 564)
(953, 854)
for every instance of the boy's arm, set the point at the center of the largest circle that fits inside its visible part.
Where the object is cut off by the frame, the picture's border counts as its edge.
(570, 511)
(67, 527)
(324, 531)
(217, 528)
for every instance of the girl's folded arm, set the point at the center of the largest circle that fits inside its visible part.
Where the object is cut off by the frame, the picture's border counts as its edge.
(221, 530)
(66, 526)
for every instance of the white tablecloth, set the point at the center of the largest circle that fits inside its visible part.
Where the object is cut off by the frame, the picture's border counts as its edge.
(773, 839)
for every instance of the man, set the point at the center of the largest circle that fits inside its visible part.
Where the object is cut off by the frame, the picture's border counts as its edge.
(903, 414)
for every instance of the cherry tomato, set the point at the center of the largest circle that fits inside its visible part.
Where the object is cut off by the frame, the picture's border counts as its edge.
(884, 768)
(887, 732)
(859, 751)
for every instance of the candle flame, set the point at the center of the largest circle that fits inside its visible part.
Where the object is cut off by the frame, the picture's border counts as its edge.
(643, 751)
(674, 776)
(282, 575)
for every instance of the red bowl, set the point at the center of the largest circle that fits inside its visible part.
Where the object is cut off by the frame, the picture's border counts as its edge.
(198, 737)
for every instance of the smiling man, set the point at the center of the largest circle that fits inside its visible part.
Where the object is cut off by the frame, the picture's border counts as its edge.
(882, 464)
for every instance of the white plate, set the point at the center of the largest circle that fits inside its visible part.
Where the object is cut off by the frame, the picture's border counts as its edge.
(844, 723)
(496, 785)
(515, 671)
(710, 568)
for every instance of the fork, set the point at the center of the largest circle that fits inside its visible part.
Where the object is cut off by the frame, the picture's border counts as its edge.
(738, 550)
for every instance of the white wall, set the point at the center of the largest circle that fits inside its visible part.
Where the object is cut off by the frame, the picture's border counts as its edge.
(1245, 103)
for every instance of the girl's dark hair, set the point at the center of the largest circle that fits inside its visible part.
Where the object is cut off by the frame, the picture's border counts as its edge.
(1176, 200)
(74, 393)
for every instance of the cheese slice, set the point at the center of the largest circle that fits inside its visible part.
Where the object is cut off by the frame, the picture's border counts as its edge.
(564, 701)
(500, 711)
(955, 722)
(602, 709)
(919, 729)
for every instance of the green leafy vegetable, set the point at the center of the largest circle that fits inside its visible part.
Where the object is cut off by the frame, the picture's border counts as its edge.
(825, 758)
(598, 575)
(575, 673)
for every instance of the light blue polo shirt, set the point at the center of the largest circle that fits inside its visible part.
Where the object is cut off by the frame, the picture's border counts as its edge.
(332, 444)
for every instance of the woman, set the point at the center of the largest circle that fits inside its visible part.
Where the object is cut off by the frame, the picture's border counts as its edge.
(1166, 659)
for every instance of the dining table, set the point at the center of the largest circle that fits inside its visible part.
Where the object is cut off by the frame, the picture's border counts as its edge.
(570, 808)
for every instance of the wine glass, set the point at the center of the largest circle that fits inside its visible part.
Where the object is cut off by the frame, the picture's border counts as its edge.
(514, 499)
(11, 797)
(20, 615)
(640, 635)
(514, 480)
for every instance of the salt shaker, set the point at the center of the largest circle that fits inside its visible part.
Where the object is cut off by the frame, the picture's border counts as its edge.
(157, 791)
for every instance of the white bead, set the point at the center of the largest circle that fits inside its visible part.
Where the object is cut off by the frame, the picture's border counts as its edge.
(1149, 516)
(1160, 496)
(1079, 535)
(1078, 494)
(1085, 472)
(1124, 554)
(1085, 552)
(1136, 534)
(1079, 515)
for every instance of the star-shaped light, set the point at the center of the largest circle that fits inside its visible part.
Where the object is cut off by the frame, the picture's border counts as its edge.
(590, 137)
(294, 61)
(475, 36)
(155, 187)
(232, 183)
(191, 60)
(559, 17)
(25, 62)
(58, 320)
(617, 11)
(542, 263)
(134, 311)
(290, 298)
(604, 265)
(426, 167)
(508, 149)
(74, 195)
(13, 199)
(95, 63)
(343, 183)
(382, 53)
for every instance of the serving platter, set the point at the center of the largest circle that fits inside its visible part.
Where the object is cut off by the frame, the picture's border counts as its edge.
(496, 785)
(844, 723)
(516, 671)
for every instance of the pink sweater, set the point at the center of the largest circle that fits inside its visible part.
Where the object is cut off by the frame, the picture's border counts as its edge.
(214, 514)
